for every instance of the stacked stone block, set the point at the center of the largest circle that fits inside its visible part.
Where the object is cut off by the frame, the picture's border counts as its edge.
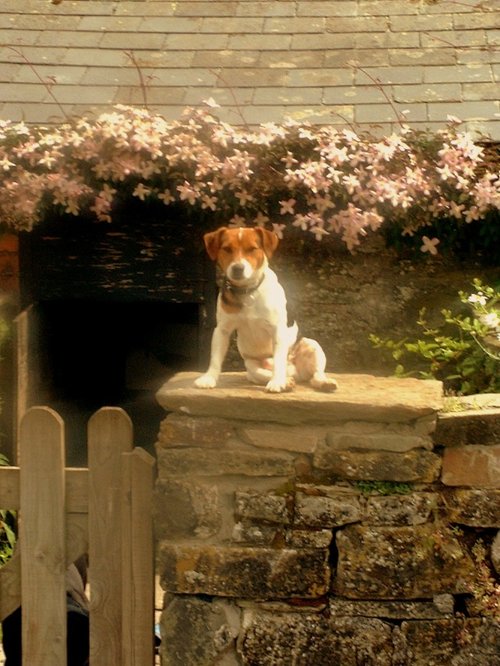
(315, 529)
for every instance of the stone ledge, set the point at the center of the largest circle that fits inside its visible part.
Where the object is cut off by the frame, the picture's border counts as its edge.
(359, 398)
(472, 427)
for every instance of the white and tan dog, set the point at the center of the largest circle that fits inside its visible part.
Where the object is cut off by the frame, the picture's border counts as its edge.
(253, 303)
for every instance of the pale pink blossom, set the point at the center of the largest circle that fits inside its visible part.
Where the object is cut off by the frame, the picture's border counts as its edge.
(429, 245)
(187, 193)
(261, 220)
(278, 229)
(287, 207)
(141, 191)
(243, 197)
(320, 179)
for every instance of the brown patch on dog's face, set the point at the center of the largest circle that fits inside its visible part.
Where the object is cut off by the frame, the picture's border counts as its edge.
(242, 249)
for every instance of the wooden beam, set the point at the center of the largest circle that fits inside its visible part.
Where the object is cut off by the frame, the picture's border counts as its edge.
(77, 496)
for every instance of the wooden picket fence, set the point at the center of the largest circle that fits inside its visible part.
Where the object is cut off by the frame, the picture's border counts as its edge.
(104, 510)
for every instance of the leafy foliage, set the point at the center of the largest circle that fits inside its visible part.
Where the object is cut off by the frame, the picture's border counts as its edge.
(7, 528)
(463, 352)
(383, 488)
(7, 518)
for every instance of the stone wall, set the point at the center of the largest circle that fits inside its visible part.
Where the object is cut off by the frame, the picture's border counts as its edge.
(316, 529)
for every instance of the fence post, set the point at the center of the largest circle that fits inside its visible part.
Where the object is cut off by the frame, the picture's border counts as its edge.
(109, 435)
(137, 559)
(42, 535)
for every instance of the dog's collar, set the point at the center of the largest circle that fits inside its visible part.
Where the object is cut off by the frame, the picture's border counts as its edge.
(227, 285)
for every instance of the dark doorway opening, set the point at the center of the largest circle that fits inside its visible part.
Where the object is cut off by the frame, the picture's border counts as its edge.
(94, 354)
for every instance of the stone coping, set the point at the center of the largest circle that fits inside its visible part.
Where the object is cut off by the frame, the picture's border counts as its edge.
(359, 398)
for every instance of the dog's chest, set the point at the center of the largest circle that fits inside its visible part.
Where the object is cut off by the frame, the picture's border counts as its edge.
(256, 332)
(263, 314)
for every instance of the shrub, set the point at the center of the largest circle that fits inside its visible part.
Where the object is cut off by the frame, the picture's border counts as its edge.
(7, 528)
(7, 518)
(463, 351)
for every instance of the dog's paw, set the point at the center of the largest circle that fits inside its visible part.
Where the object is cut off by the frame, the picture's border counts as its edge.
(275, 386)
(321, 382)
(205, 381)
(328, 386)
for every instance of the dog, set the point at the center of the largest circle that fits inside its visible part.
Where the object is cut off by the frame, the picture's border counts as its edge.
(252, 302)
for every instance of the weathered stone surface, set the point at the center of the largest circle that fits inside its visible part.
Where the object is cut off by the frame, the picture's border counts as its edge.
(326, 508)
(400, 562)
(263, 507)
(472, 466)
(478, 401)
(272, 639)
(251, 573)
(379, 438)
(255, 535)
(474, 507)
(308, 538)
(203, 462)
(471, 426)
(184, 509)
(425, 425)
(413, 509)
(359, 397)
(495, 553)
(301, 439)
(441, 606)
(417, 465)
(458, 642)
(178, 430)
(198, 632)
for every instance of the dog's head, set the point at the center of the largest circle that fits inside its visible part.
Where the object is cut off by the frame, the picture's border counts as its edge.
(242, 252)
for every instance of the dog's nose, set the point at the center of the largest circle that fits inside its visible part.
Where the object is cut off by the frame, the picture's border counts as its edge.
(237, 271)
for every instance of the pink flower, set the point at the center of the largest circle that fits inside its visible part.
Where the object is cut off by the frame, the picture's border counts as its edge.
(287, 207)
(187, 193)
(278, 229)
(211, 103)
(319, 232)
(237, 221)
(243, 197)
(261, 219)
(166, 197)
(429, 245)
(208, 202)
(141, 191)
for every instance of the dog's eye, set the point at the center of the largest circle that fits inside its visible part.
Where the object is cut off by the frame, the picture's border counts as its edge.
(227, 249)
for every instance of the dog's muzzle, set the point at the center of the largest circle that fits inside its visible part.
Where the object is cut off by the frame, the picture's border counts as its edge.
(238, 271)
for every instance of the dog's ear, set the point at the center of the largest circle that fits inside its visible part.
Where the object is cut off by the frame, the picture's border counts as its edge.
(212, 242)
(269, 241)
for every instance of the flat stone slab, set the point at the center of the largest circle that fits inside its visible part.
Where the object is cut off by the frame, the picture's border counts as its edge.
(358, 398)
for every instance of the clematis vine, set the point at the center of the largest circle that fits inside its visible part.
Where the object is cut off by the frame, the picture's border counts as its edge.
(318, 179)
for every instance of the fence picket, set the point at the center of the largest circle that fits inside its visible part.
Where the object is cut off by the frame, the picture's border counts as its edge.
(137, 559)
(42, 535)
(105, 510)
(109, 435)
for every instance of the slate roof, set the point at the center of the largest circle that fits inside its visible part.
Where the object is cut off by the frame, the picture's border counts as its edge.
(259, 60)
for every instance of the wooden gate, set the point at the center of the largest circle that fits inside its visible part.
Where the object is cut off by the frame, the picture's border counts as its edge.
(104, 510)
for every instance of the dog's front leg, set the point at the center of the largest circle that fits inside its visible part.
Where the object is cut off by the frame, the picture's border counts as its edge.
(220, 343)
(278, 383)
